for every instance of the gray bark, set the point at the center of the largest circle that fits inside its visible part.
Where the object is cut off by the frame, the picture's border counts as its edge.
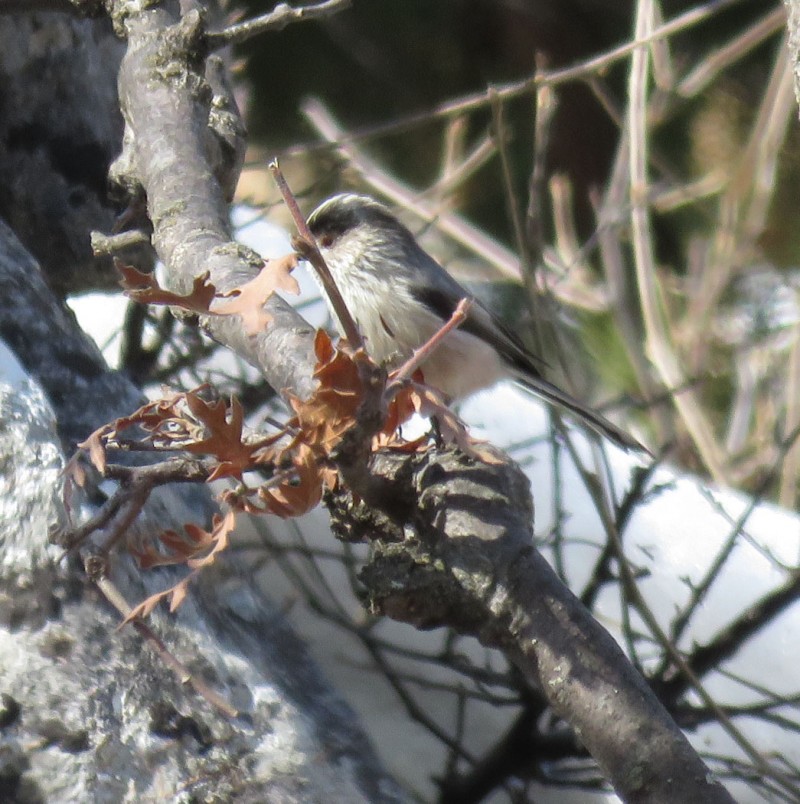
(101, 717)
(89, 713)
(60, 129)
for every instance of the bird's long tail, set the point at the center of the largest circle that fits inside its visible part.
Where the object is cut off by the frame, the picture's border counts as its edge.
(597, 422)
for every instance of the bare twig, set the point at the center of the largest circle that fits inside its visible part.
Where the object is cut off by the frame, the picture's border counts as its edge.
(185, 676)
(401, 194)
(701, 589)
(136, 483)
(455, 226)
(636, 599)
(515, 89)
(276, 20)
(309, 250)
(609, 228)
(743, 207)
(456, 174)
(719, 60)
(546, 107)
(105, 244)
(420, 355)
(663, 66)
(502, 137)
(655, 322)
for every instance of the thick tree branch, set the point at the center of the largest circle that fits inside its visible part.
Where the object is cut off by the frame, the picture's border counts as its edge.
(169, 152)
(466, 560)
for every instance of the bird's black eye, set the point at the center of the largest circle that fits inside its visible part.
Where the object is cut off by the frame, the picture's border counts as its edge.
(326, 240)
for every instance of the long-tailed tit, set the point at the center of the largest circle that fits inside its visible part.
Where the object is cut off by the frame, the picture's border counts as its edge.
(400, 296)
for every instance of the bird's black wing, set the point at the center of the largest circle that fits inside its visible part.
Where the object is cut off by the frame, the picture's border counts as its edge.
(443, 298)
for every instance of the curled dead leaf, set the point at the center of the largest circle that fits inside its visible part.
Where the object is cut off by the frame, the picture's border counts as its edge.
(144, 288)
(248, 300)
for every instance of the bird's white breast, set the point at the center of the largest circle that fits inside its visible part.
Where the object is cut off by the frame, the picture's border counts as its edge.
(394, 323)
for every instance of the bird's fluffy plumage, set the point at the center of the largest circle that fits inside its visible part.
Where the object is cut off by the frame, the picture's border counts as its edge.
(400, 296)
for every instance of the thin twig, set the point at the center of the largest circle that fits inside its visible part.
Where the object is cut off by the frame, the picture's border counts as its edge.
(717, 61)
(276, 20)
(663, 65)
(502, 137)
(136, 483)
(743, 207)
(656, 326)
(714, 572)
(456, 175)
(185, 676)
(402, 195)
(546, 107)
(419, 356)
(631, 590)
(136, 499)
(309, 250)
(113, 244)
(609, 227)
(515, 89)
(520, 224)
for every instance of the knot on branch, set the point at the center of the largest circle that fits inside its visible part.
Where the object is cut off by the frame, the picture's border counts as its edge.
(186, 40)
(442, 543)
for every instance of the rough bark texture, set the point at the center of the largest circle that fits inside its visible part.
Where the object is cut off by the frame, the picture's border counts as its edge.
(93, 714)
(58, 141)
(166, 101)
(466, 559)
(88, 713)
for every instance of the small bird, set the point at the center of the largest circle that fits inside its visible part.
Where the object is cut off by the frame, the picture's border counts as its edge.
(400, 296)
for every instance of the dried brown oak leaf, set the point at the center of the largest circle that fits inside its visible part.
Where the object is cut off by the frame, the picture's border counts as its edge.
(223, 437)
(153, 416)
(74, 475)
(144, 288)
(249, 299)
(300, 491)
(96, 450)
(331, 410)
(176, 595)
(199, 548)
(149, 416)
(163, 418)
(406, 397)
(319, 423)
(246, 301)
(212, 428)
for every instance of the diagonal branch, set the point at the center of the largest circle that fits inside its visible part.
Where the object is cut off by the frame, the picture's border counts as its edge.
(166, 102)
(468, 562)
